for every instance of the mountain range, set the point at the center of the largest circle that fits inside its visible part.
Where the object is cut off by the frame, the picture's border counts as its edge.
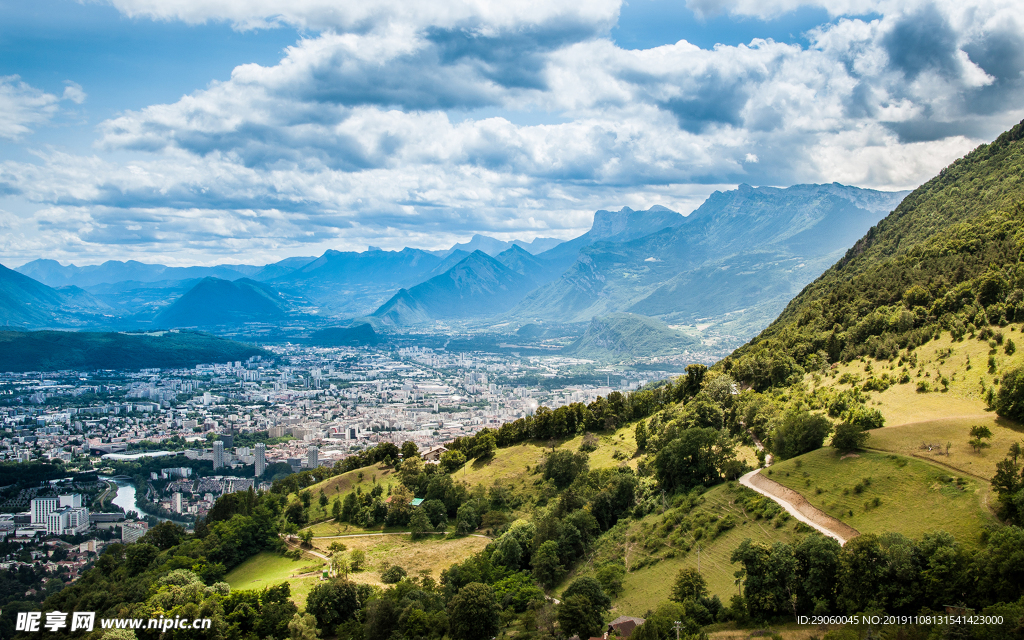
(732, 264)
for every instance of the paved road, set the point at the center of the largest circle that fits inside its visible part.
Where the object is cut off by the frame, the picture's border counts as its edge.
(804, 512)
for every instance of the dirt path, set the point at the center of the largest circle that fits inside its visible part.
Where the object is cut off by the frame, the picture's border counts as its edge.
(798, 506)
(388, 533)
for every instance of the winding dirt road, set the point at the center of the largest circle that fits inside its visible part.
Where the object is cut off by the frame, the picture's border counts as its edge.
(798, 507)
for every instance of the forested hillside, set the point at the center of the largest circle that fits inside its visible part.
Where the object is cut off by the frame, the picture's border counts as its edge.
(948, 258)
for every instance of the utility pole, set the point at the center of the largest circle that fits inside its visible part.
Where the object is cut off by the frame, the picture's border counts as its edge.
(677, 624)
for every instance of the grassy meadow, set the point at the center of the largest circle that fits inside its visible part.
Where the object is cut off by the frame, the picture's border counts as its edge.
(267, 569)
(654, 549)
(430, 555)
(876, 492)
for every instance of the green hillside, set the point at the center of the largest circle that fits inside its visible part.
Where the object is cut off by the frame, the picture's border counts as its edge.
(625, 335)
(947, 259)
(58, 350)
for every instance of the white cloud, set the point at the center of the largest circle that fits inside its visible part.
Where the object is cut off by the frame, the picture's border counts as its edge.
(73, 92)
(348, 142)
(345, 15)
(22, 107)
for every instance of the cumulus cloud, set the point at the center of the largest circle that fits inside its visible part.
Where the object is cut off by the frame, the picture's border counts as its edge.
(22, 106)
(352, 139)
(351, 15)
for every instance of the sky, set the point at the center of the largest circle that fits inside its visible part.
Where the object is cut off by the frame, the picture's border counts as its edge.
(246, 131)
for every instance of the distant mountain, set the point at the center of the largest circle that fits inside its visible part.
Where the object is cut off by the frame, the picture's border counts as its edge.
(477, 286)
(625, 335)
(52, 273)
(61, 350)
(24, 302)
(354, 336)
(613, 226)
(744, 252)
(215, 302)
(348, 283)
(493, 246)
(281, 268)
(517, 259)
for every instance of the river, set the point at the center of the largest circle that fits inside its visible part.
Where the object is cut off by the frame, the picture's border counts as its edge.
(125, 497)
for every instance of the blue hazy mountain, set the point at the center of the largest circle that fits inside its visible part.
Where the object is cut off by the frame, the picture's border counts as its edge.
(52, 273)
(620, 335)
(748, 250)
(214, 302)
(477, 286)
(25, 302)
(613, 226)
(493, 246)
(350, 283)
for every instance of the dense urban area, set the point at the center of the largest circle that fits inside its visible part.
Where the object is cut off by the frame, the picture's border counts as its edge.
(175, 440)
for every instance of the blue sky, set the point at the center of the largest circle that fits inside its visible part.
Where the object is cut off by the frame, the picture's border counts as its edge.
(197, 132)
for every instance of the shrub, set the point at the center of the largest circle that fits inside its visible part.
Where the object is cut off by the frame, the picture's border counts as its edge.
(393, 574)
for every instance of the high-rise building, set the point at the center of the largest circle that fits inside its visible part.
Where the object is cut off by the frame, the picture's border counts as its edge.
(218, 455)
(229, 440)
(312, 457)
(70, 500)
(41, 508)
(176, 502)
(132, 531)
(261, 459)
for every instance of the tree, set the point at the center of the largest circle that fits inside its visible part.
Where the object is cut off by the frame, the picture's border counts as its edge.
(768, 574)
(357, 560)
(485, 446)
(323, 499)
(332, 602)
(303, 627)
(799, 433)
(611, 576)
(295, 514)
(306, 497)
(467, 520)
(1009, 401)
(393, 574)
(473, 613)
(978, 435)
(577, 616)
(419, 524)
(849, 437)
(409, 450)
(452, 461)
(306, 536)
(563, 466)
(590, 589)
(546, 566)
(336, 509)
(339, 565)
(689, 585)
(693, 459)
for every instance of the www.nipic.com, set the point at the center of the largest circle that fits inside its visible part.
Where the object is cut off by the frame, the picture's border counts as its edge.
(86, 621)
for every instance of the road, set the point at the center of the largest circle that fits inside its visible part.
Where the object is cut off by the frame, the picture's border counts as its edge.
(798, 507)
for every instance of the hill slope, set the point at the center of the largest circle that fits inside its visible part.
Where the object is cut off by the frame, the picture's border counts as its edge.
(24, 302)
(947, 258)
(478, 285)
(219, 302)
(58, 350)
(621, 335)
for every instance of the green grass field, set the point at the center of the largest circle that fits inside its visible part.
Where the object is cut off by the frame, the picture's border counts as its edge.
(267, 569)
(433, 554)
(913, 496)
(928, 440)
(652, 551)
(964, 364)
